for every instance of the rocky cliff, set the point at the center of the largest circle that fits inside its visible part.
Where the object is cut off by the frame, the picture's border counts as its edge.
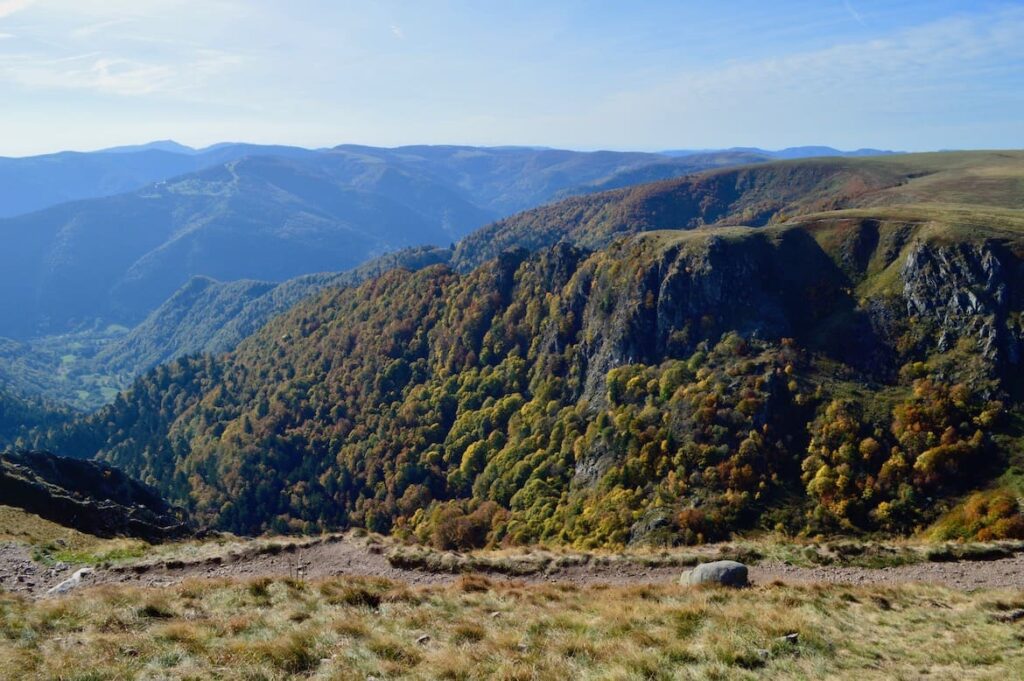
(88, 496)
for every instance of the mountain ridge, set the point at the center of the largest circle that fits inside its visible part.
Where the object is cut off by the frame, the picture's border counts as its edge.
(826, 373)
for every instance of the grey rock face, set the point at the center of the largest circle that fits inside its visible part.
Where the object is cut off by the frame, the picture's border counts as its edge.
(719, 572)
(967, 291)
(698, 292)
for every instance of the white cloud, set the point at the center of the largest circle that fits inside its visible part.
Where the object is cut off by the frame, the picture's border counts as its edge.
(8, 7)
(397, 32)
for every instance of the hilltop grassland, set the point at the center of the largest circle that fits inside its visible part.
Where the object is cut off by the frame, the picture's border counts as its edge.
(350, 628)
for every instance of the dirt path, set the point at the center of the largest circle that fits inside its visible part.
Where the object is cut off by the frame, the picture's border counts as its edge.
(1005, 573)
(345, 556)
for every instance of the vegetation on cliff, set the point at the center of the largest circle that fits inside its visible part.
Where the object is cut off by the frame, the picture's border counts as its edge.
(676, 386)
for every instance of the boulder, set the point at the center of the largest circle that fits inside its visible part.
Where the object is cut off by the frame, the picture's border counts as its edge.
(719, 572)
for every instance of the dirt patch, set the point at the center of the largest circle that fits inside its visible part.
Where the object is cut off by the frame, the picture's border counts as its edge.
(347, 555)
(19, 573)
(1004, 573)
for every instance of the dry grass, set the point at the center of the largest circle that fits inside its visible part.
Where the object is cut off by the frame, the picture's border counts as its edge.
(530, 561)
(472, 629)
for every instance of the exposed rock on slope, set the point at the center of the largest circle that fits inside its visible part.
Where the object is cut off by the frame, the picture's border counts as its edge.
(88, 496)
(969, 291)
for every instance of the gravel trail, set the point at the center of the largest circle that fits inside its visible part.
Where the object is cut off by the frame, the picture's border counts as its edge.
(347, 556)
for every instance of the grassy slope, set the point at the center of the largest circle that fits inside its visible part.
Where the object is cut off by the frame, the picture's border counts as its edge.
(52, 542)
(344, 628)
(772, 192)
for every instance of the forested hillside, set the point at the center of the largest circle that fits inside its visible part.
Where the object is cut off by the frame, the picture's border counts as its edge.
(19, 415)
(850, 370)
(86, 370)
(99, 290)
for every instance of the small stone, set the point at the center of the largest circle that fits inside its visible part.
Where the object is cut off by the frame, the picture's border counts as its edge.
(69, 583)
(1011, 616)
(423, 640)
(792, 639)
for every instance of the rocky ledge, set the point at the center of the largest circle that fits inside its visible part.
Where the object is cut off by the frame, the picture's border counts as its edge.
(88, 496)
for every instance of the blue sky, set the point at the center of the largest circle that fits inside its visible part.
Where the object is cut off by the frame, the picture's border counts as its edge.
(85, 74)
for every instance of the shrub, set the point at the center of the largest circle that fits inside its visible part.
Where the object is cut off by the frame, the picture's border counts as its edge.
(984, 516)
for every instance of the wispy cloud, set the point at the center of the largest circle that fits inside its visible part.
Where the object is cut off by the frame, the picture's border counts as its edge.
(904, 85)
(8, 7)
(853, 13)
(118, 76)
(397, 32)
(92, 29)
(933, 53)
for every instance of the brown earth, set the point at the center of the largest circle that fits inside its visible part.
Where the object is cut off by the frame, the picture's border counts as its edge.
(354, 556)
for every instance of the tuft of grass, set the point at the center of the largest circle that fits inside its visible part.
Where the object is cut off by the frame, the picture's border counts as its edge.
(468, 633)
(296, 653)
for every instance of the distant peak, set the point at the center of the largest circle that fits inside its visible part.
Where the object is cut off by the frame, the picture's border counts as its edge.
(158, 145)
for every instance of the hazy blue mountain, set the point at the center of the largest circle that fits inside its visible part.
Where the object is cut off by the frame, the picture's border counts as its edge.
(158, 145)
(784, 154)
(210, 316)
(99, 290)
(34, 183)
(87, 369)
(270, 213)
(117, 258)
(507, 180)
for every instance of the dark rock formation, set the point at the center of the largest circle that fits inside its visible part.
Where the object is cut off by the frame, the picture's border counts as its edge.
(88, 496)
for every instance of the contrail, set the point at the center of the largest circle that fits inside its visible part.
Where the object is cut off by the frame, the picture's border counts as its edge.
(853, 13)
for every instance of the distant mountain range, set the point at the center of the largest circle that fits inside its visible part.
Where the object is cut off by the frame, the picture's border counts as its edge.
(266, 213)
(117, 260)
(36, 182)
(785, 154)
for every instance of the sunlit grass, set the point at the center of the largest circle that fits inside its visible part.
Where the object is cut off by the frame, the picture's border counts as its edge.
(356, 628)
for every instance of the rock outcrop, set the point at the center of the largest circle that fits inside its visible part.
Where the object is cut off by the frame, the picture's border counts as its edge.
(88, 496)
(967, 291)
(761, 286)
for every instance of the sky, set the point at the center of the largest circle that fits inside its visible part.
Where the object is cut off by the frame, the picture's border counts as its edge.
(581, 74)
